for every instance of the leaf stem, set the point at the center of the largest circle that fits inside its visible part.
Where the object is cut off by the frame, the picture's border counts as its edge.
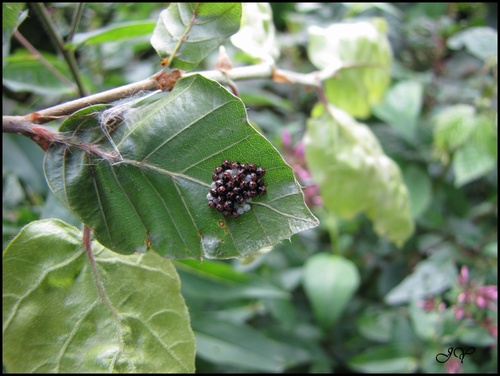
(87, 244)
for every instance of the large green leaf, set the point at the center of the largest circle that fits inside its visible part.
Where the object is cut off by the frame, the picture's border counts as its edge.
(359, 57)
(354, 174)
(54, 319)
(156, 195)
(329, 282)
(190, 31)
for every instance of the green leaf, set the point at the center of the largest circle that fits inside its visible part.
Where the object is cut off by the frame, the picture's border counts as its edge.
(430, 277)
(482, 42)
(358, 55)
(257, 34)
(354, 174)
(475, 336)
(401, 108)
(330, 282)
(12, 16)
(383, 359)
(190, 31)
(241, 346)
(426, 324)
(471, 137)
(453, 127)
(217, 281)
(23, 72)
(156, 194)
(420, 189)
(375, 324)
(477, 157)
(116, 32)
(54, 319)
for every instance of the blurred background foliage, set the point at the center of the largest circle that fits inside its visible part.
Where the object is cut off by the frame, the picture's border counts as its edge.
(300, 307)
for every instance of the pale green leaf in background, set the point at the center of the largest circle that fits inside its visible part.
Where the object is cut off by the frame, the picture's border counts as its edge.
(383, 359)
(12, 16)
(155, 196)
(401, 108)
(359, 56)
(469, 139)
(471, 162)
(244, 347)
(482, 42)
(419, 187)
(190, 31)
(23, 72)
(453, 127)
(430, 277)
(116, 32)
(329, 281)
(354, 174)
(257, 34)
(54, 320)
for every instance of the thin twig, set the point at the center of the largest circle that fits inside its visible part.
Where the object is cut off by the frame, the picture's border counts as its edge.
(77, 16)
(59, 43)
(43, 60)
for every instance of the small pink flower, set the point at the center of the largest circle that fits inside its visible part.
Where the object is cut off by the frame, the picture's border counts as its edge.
(453, 366)
(286, 139)
(464, 275)
(489, 292)
(481, 302)
(462, 297)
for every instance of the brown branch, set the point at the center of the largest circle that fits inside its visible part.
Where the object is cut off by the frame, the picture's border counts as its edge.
(109, 96)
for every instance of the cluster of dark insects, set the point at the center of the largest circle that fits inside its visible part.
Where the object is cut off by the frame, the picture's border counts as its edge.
(234, 186)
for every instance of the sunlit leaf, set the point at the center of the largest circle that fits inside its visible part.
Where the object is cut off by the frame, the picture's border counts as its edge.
(55, 321)
(453, 127)
(257, 34)
(478, 156)
(154, 195)
(354, 174)
(190, 31)
(358, 55)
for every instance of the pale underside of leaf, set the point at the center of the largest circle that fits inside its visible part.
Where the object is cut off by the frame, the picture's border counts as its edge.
(56, 321)
(155, 195)
(355, 175)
